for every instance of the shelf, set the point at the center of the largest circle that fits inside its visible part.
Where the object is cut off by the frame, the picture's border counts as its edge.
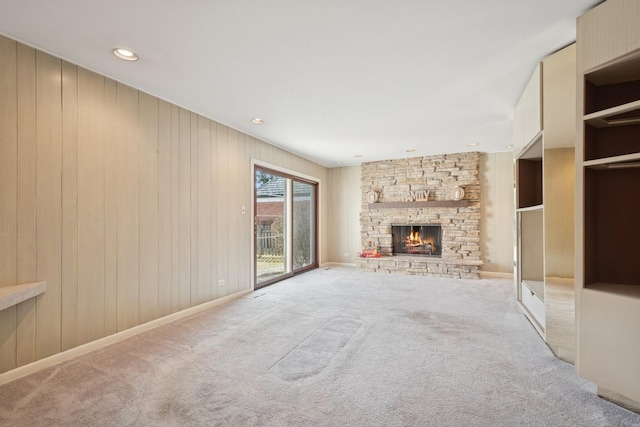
(530, 208)
(615, 116)
(533, 150)
(600, 97)
(615, 162)
(616, 289)
(611, 141)
(624, 69)
(13, 295)
(423, 204)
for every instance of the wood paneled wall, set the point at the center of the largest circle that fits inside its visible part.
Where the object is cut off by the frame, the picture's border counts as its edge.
(608, 31)
(128, 206)
(345, 203)
(559, 212)
(497, 225)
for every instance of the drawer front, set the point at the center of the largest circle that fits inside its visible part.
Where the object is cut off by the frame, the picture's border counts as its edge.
(534, 304)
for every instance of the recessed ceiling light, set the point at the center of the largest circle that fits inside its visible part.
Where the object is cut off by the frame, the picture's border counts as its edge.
(410, 150)
(359, 155)
(257, 121)
(509, 146)
(125, 54)
(473, 144)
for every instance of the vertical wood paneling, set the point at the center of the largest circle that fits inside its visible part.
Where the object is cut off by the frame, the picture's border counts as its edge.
(185, 209)
(344, 213)
(176, 277)
(487, 198)
(242, 175)
(148, 208)
(504, 209)
(213, 260)
(127, 208)
(91, 209)
(110, 208)
(164, 208)
(222, 191)
(248, 201)
(607, 32)
(8, 196)
(194, 209)
(69, 206)
(252, 150)
(204, 209)
(27, 201)
(49, 219)
(559, 212)
(233, 207)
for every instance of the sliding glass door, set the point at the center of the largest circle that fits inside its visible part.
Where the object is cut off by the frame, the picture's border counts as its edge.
(285, 226)
(304, 219)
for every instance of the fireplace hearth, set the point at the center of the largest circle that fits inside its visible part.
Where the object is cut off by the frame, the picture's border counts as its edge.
(417, 239)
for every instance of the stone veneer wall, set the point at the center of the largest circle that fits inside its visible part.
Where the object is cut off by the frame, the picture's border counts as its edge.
(393, 179)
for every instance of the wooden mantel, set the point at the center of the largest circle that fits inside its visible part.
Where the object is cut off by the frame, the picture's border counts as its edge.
(13, 295)
(421, 204)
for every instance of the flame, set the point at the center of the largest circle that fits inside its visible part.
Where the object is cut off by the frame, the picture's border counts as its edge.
(414, 239)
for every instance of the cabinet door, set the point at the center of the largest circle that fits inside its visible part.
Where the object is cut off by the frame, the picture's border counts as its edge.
(559, 98)
(527, 116)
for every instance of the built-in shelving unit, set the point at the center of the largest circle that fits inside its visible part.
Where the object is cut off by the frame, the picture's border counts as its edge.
(530, 221)
(544, 141)
(608, 200)
(611, 165)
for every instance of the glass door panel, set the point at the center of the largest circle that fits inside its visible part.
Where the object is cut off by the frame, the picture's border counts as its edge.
(270, 226)
(304, 238)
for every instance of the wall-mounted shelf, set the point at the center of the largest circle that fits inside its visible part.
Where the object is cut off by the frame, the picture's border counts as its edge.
(615, 162)
(423, 204)
(530, 208)
(620, 115)
(13, 295)
(618, 289)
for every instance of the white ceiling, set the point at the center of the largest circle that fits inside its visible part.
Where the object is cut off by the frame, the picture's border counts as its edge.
(333, 78)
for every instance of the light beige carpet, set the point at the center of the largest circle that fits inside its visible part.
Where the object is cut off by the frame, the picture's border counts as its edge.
(332, 347)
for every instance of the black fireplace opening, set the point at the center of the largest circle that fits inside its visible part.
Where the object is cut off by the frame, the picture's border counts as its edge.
(417, 239)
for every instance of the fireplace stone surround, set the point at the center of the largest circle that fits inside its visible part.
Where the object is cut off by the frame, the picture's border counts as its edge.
(423, 190)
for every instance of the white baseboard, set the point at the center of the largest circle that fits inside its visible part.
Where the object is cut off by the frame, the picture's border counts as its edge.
(64, 356)
(495, 275)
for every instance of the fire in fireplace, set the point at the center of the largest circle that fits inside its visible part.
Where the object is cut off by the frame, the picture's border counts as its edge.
(417, 239)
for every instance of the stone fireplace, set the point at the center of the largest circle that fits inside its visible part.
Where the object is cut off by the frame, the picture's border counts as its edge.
(436, 196)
